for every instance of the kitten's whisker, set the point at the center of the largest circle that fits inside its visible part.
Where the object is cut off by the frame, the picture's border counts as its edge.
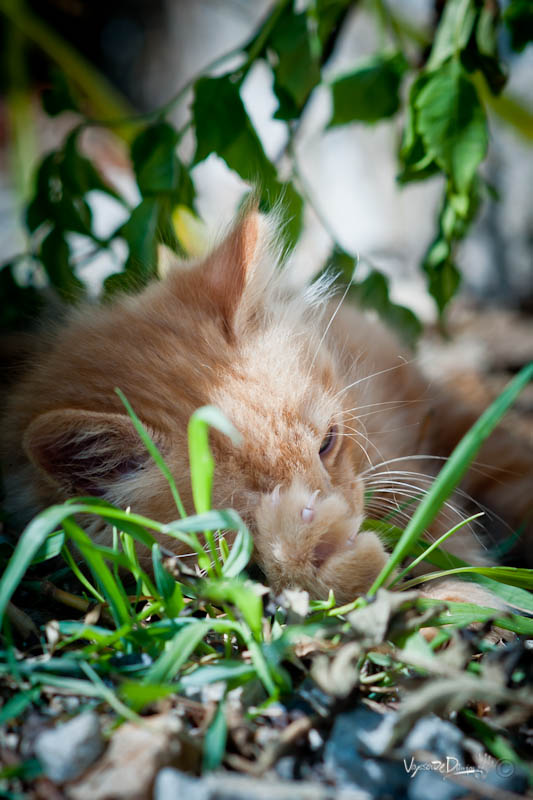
(429, 479)
(374, 375)
(365, 437)
(413, 492)
(328, 326)
(475, 465)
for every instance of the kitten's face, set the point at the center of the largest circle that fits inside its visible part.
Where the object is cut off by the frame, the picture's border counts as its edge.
(217, 334)
(296, 478)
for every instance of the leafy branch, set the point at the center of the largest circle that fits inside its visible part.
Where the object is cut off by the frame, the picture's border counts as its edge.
(445, 133)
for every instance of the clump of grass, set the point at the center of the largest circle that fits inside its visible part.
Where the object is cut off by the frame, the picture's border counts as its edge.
(179, 629)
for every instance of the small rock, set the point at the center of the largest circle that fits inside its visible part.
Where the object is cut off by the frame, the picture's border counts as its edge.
(509, 777)
(229, 786)
(171, 784)
(286, 767)
(369, 732)
(436, 736)
(67, 750)
(135, 754)
(355, 738)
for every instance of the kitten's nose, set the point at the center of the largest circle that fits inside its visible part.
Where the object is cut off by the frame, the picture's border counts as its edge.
(308, 511)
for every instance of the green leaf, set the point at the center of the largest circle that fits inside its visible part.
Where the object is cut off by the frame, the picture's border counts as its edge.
(491, 738)
(78, 174)
(452, 124)
(482, 53)
(518, 16)
(54, 255)
(154, 159)
(215, 740)
(57, 197)
(223, 127)
(46, 192)
(369, 93)
(454, 31)
(296, 68)
(416, 163)
(373, 292)
(443, 276)
(140, 233)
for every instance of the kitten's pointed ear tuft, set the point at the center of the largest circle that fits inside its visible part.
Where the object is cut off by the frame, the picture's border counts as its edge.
(84, 452)
(231, 266)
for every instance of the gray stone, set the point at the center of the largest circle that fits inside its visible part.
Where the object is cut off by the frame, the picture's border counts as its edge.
(171, 784)
(436, 736)
(67, 750)
(356, 738)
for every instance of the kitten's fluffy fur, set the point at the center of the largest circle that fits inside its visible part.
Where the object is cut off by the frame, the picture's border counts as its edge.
(285, 368)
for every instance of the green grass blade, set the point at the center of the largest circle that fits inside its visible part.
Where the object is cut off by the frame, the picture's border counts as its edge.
(18, 704)
(451, 473)
(464, 614)
(65, 552)
(108, 694)
(513, 576)
(241, 549)
(31, 539)
(168, 588)
(50, 548)
(154, 452)
(128, 545)
(215, 740)
(112, 590)
(202, 464)
(228, 670)
(177, 652)
(138, 695)
(237, 593)
(424, 555)
(512, 595)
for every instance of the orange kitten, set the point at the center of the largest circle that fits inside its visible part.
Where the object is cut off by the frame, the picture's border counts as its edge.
(329, 406)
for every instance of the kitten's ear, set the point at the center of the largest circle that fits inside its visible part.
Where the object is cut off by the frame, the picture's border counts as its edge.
(84, 452)
(230, 267)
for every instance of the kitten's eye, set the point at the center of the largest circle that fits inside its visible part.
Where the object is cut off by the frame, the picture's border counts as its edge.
(328, 442)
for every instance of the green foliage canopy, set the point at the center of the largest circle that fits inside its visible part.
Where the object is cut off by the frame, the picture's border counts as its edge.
(445, 133)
